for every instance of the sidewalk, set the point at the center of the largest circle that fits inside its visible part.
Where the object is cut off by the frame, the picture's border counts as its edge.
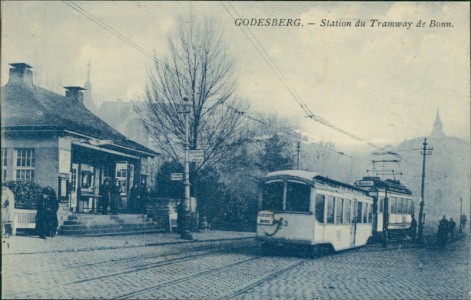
(33, 244)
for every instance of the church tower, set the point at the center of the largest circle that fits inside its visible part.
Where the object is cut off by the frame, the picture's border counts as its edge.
(87, 95)
(437, 131)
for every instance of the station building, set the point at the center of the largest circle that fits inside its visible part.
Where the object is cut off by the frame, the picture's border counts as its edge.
(56, 141)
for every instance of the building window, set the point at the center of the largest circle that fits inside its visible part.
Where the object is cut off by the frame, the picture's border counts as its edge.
(4, 163)
(24, 166)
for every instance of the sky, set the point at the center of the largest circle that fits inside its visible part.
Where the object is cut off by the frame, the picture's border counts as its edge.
(382, 84)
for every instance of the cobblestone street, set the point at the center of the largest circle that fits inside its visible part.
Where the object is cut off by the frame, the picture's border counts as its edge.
(213, 268)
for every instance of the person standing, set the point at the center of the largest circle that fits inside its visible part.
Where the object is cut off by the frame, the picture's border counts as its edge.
(42, 222)
(52, 206)
(134, 199)
(115, 197)
(463, 221)
(413, 228)
(451, 229)
(8, 211)
(442, 233)
(106, 195)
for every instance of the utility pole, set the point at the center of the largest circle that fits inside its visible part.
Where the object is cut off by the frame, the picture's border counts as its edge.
(425, 151)
(185, 233)
(298, 150)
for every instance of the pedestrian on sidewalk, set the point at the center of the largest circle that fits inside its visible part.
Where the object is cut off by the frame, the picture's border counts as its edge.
(46, 215)
(8, 211)
(442, 233)
(105, 193)
(451, 229)
(463, 221)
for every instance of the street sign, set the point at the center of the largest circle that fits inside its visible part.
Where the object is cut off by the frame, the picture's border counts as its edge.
(196, 156)
(176, 176)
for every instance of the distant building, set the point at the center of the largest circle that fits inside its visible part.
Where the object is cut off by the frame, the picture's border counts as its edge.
(56, 141)
(448, 171)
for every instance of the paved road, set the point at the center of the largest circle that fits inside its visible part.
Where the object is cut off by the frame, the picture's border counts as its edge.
(224, 270)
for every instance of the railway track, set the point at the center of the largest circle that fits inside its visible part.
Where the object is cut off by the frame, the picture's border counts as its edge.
(201, 250)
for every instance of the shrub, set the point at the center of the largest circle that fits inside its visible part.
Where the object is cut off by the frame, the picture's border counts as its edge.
(26, 193)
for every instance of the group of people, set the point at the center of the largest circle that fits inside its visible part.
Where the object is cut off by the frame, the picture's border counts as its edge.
(111, 197)
(47, 206)
(446, 229)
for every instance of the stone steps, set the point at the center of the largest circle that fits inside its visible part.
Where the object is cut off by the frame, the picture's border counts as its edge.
(97, 224)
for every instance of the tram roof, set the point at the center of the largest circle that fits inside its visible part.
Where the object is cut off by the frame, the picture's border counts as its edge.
(313, 176)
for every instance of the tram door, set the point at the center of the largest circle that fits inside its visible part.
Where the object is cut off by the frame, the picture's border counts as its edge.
(353, 229)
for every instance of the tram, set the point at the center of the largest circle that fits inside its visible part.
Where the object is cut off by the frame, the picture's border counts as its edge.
(393, 207)
(305, 208)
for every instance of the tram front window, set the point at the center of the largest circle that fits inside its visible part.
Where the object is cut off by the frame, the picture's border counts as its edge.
(272, 198)
(297, 197)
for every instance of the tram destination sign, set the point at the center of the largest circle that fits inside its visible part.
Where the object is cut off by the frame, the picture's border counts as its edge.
(364, 183)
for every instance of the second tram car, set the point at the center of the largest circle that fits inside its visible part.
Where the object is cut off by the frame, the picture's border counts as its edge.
(305, 208)
(393, 206)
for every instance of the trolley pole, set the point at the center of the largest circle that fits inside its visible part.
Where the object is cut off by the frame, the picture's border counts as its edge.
(185, 233)
(425, 151)
(298, 149)
(461, 214)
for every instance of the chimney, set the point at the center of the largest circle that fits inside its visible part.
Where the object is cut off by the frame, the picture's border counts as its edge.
(75, 93)
(21, 73)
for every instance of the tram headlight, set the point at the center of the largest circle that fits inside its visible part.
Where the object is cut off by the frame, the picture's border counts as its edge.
(265, 218)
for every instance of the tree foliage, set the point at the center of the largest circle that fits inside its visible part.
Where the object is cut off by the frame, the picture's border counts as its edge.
(275, 155)
(198, 68)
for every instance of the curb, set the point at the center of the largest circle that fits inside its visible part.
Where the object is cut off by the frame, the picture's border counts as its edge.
(130, 246)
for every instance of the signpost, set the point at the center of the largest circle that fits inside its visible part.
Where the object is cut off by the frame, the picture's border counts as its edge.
(196, 156)
(176, 176)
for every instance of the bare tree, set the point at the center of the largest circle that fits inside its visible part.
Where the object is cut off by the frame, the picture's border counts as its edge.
(199, 68)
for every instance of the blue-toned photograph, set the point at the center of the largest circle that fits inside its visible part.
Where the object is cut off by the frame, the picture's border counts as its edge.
(235, 150)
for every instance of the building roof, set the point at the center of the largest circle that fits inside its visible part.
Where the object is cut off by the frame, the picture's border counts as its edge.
(35, 108)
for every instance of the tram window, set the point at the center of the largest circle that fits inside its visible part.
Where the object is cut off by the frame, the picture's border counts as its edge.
(320, 199)
(412, 207)
(348, 211)
(393, 204)
(273, 196)
(359, 212)
(330, 210)
(297, 197)
(365, 213)
(338, 211)
(403, 206)
(380, 205)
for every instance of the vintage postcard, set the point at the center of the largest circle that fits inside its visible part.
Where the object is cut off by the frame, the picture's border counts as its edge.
(235, 150)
